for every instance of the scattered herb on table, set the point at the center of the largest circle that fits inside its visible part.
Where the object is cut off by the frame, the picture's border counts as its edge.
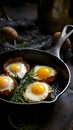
(23, 126)
(23, 43)
(2, 39)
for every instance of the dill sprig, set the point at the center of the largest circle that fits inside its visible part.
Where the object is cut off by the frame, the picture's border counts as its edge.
(17, 95)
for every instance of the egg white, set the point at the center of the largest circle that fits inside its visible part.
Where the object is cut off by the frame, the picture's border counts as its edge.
(29, 96)
(37, 67)
(10, 85)
(19, 74)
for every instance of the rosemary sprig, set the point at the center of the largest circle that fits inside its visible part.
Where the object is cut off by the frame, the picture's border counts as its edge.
(17, 95)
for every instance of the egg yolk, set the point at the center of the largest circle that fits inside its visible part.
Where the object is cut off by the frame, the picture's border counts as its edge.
(43, 72)
(15, 68)
(38, 89)
(3, 82)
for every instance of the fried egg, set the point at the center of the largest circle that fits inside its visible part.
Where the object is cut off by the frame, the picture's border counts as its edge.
(16, 67)
(36, 91)
(44, 73)
(7, 84)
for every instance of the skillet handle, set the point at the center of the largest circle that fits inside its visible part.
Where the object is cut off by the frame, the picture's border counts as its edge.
(64, 36)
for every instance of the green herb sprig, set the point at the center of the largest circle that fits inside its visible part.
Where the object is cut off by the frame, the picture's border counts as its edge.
(23, 126)
(17, 95)
(23, 43)
(2, 39)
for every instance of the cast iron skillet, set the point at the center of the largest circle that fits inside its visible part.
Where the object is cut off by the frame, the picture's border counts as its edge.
(20, 112)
